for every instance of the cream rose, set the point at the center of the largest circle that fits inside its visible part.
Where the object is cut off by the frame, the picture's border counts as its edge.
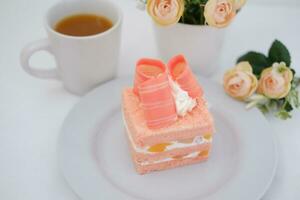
(219, 13)
(238, 4)
(275, 81)
(165, 12)
(239, 82)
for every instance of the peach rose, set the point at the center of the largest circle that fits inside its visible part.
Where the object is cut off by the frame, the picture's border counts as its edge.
(219, 13)
(275, 81)
(238, 4)
(165, 12)
(240, 82)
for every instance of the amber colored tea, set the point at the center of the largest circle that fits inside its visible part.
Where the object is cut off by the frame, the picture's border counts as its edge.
(83, 25)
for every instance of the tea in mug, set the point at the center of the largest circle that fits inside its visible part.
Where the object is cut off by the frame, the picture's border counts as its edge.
(83, 25)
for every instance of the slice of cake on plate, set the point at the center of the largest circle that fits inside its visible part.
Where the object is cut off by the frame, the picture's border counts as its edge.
(166, 117)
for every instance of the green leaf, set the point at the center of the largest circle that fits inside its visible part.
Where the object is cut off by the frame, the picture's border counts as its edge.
(283, 115)
(272, 105)
(295, 82)
(263, 108)
(288, 107)
(293, 98)
(279, 53)
(193, 12)
(258, 61)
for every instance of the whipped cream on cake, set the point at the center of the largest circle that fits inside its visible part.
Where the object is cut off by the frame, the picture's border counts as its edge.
(194, 154)
(184, 103)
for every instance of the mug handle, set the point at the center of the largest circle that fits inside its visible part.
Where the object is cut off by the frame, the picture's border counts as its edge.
(28, 51)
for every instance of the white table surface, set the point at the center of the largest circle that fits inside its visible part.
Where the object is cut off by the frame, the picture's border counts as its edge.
(32, 110)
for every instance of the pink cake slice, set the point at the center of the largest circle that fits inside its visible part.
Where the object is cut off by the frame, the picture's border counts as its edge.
(186, 141)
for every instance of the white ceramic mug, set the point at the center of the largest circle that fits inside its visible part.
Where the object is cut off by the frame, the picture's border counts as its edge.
(81, 62)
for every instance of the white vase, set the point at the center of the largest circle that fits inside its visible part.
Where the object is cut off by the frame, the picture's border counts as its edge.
(201, 45)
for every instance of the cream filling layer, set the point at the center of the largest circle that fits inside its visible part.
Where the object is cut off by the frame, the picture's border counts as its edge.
(191, 155)
(173, 144)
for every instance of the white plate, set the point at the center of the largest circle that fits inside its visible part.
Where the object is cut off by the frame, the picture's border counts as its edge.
(95, 159)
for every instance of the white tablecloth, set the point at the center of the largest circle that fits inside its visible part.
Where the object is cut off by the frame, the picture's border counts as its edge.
(32, 110)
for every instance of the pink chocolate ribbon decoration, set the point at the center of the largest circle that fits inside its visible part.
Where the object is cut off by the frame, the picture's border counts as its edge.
(181, 73)
(151, 85)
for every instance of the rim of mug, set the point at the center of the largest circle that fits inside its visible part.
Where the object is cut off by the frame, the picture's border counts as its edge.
(191, 26)
(115, 25)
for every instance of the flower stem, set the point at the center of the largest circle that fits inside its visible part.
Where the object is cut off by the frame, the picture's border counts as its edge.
(202, 20)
